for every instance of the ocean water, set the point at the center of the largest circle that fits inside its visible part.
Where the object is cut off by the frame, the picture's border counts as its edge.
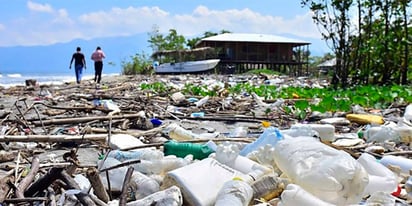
(19, 79)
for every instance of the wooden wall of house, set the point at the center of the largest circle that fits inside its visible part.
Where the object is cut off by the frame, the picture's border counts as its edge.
(244, 56)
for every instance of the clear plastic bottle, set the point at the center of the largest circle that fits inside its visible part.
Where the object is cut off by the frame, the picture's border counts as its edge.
(142, 154)
(234, 192)
(178, 133)
(162, 166)
(267, 187)
(143, 185)
(270, 135)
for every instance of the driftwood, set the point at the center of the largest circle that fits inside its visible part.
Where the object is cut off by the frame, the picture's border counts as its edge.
(97, 184)
(82, 197)
(123, 196)
(53, 138)
(29, 178)
(83, 119)
(43, 182)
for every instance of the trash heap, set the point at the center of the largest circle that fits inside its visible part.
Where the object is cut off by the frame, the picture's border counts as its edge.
(118, 145)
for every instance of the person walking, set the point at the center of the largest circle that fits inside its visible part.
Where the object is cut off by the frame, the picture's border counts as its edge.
(98, 57)
(79, 63)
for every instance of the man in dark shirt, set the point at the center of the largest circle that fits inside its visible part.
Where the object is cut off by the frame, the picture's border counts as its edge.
(79, 63)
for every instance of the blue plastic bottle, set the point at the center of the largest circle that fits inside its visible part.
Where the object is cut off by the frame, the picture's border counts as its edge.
(270, 136)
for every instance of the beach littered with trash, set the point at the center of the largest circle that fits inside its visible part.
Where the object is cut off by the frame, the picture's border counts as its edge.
(121, 143)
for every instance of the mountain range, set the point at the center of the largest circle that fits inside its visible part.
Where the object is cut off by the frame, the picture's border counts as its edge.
(55, 58)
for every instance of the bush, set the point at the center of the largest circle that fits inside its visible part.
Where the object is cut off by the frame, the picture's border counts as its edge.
(139, 64)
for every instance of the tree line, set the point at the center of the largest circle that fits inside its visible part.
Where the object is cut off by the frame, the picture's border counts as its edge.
(370, 39)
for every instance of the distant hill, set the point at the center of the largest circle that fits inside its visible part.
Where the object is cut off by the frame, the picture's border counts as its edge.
(56, 58)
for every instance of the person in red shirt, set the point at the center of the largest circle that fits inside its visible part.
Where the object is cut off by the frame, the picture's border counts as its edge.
(79, 63)
(98, 57)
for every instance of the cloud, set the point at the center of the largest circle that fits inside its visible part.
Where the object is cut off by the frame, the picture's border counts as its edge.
(2, 27)
(39, 7)
(61, 27)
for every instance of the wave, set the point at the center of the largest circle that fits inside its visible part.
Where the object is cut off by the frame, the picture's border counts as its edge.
(16, 75)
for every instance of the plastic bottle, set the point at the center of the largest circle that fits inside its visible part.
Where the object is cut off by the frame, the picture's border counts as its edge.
(380, 178)
(182, 149)
(270, 135)
(267, 187)
(294, 195)
(238, 132)
(228, 154)
(408, 112)
(383, 133)
(178, 133)
(142, 154)
(143, 185)
(234, 192)
(161, 166)
(326, 132)
(404, 163)
(171, 196)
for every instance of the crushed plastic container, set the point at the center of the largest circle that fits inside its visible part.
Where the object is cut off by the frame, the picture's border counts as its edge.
(329, 174)
(116, 176)
(162, 166)
(142, 185)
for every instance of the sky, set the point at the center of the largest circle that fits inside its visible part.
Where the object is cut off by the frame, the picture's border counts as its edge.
(46, 22)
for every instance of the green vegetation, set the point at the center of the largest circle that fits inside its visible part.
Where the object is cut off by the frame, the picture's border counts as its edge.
(139, 64)
(308, 99)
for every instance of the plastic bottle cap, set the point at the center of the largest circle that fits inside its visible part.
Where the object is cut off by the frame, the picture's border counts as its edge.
(237, 178)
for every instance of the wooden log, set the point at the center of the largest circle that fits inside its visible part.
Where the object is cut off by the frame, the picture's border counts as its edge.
(97, 184)
(24, 183)
(53, 138)
(82, 197)
(123, 196)
(43, 182)
(4, 186)
(83, 119)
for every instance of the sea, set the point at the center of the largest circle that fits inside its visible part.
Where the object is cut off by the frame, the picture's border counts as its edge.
(10, 79)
